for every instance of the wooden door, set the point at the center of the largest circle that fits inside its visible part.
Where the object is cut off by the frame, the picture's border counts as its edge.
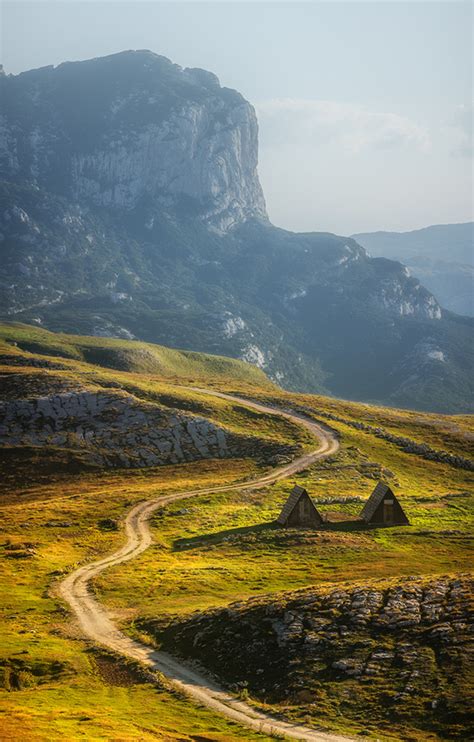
(304, 509)
(388, 515)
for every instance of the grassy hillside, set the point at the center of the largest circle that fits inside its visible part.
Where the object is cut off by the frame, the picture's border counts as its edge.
(209, 551)
(131, 356)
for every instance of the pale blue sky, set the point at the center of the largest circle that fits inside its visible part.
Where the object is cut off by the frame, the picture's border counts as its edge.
(365, 108)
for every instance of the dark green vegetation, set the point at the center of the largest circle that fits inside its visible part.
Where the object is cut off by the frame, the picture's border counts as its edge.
(390, 657)
(441, 256)
(108, 230)
(213, 550)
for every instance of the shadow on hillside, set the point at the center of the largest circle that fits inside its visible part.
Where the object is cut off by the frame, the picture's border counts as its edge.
(348, 525)
(181, 544)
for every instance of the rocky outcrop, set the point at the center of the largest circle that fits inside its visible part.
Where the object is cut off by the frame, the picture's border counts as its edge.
(205, 151)
(118, 430)
(440, 256)
(407, 445)
(390, 652)
(156, 132)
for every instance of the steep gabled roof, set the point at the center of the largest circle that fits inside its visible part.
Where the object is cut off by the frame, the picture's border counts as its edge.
(291, 503)
(375, 499)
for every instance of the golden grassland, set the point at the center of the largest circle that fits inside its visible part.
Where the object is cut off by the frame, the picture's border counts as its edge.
(207, 551)
(62, 694)
(228, 547)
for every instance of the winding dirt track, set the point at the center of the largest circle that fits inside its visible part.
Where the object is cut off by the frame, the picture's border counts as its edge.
(97, 625)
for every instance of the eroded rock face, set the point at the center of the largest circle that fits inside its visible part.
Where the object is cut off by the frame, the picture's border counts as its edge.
(404, 649)
(151, 130)
(119, 430)
(191, 154)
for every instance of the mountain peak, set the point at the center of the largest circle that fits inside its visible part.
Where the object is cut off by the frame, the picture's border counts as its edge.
(151, 131)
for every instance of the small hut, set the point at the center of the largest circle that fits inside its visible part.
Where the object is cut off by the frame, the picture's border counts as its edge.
(299, 510)
(383, 509)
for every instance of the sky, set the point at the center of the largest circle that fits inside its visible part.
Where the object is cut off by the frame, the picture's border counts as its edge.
(364, 108)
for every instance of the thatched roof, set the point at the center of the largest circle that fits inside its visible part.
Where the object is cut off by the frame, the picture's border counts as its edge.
(375, 499)
(291, 503)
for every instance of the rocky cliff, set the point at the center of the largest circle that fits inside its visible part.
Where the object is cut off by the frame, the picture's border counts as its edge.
(140, 215)
(115, 130)
(440, 256)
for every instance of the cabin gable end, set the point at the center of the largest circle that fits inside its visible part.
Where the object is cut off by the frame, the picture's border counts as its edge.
(299, 510)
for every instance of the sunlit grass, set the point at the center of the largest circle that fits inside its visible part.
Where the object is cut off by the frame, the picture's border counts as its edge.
(61, 524)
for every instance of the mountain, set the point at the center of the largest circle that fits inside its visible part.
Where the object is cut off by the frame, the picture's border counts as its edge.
(441, 256)
(131, 207)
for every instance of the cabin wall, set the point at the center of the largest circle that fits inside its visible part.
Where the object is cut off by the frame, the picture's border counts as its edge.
(294, 520)
(399, 517)
(304, 514)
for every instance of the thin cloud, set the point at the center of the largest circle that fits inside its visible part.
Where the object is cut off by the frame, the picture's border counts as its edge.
(354, 128)
(460, 131)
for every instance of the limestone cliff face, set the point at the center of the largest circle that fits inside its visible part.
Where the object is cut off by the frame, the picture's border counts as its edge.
(145, 129)
(190, 154)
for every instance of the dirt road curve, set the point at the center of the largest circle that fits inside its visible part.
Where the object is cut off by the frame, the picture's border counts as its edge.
(97, 625)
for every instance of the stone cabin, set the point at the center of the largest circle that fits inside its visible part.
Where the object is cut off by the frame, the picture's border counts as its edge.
(299, 510)
(383, 509)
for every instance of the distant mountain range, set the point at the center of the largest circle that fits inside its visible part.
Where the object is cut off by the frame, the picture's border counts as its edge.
(131, 207)
(441, 256)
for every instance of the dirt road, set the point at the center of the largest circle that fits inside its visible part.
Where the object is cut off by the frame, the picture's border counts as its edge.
(97, 625)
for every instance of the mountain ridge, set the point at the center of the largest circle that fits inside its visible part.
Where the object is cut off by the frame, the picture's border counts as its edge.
(441, 256)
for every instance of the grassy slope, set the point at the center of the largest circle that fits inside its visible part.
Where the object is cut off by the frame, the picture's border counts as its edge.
(78, 702)
(225, 548)
(131, 356)
(228, 547)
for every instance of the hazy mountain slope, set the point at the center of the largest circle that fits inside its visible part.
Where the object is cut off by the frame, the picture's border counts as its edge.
(441, 256)
(141, 215)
